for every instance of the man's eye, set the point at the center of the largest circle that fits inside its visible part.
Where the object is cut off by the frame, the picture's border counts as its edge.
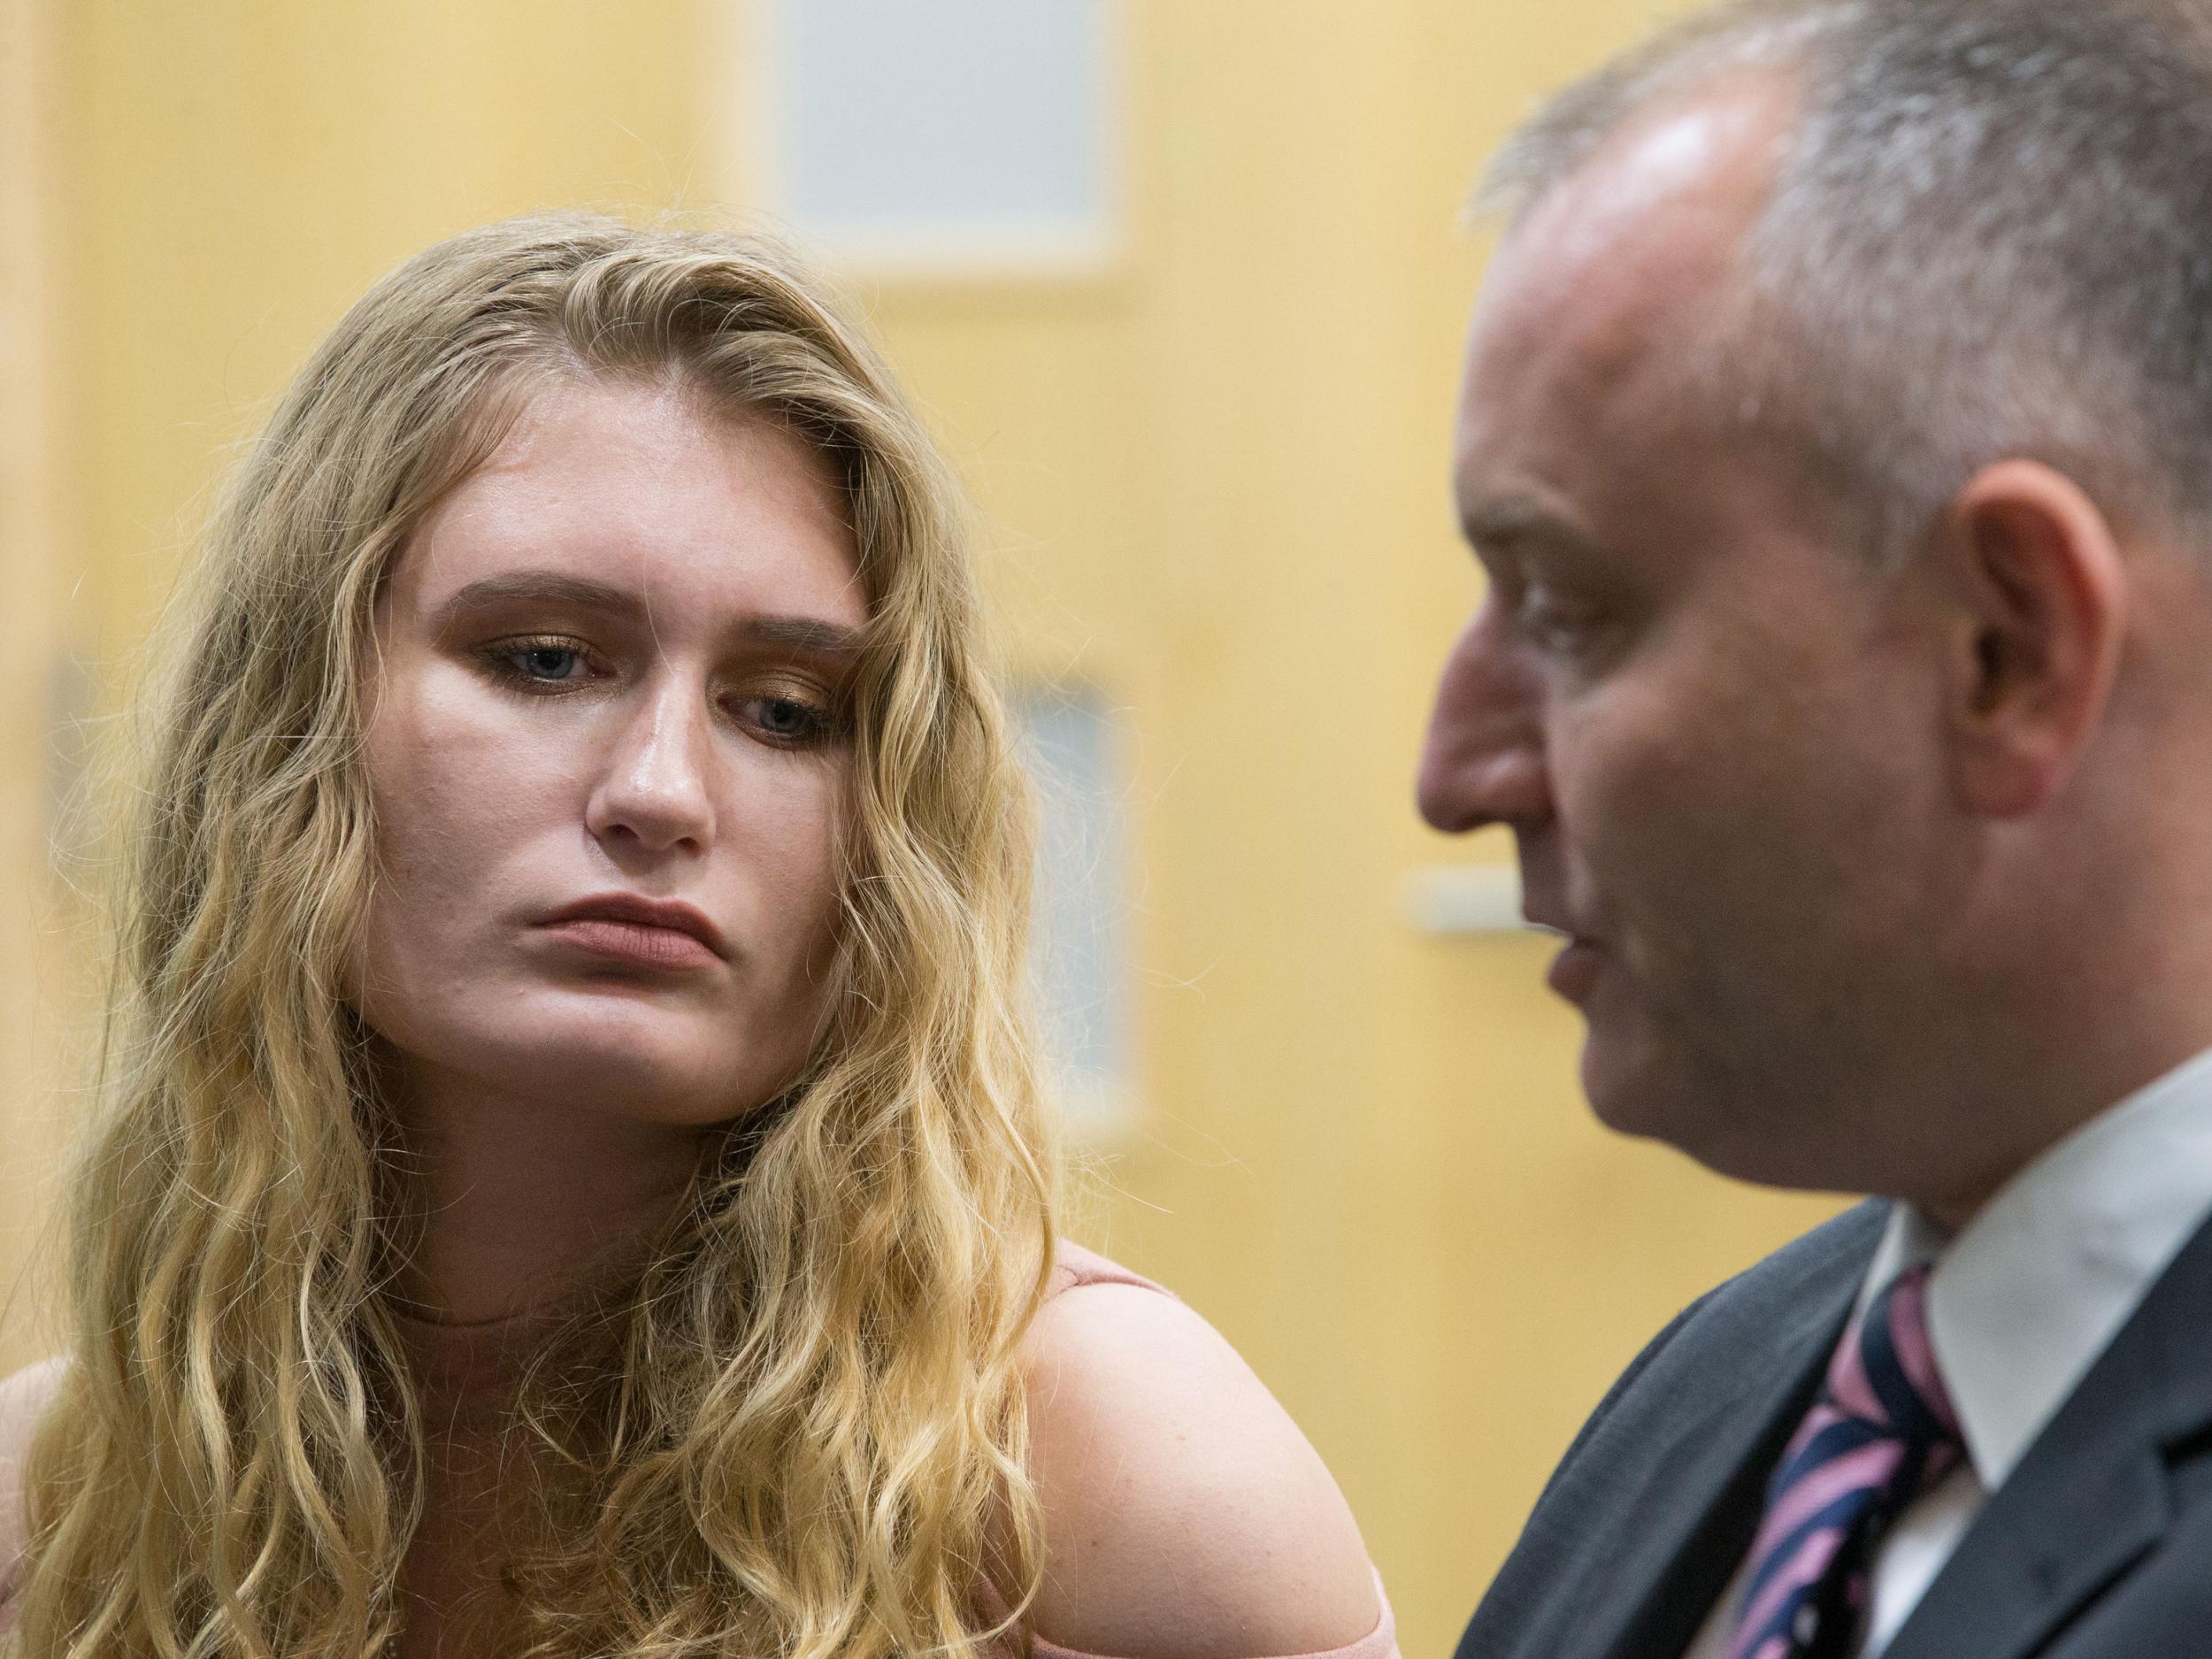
(1553, 621)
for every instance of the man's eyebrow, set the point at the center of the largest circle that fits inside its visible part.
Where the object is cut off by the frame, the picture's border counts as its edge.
(1510, 522)
(814, 635)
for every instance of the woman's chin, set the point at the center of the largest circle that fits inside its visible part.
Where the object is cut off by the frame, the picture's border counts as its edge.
(664, 1071)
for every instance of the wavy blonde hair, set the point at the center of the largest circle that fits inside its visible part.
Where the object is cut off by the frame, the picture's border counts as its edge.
(812, 1435)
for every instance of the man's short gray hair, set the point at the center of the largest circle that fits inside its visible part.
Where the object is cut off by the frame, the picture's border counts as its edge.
(1989, 235)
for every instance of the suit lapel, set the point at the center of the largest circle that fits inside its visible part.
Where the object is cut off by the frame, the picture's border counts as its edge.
(1704, 1486)
(2028, 1564)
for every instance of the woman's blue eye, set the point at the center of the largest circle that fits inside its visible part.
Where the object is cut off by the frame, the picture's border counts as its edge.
(547, 662)
(794, 722)
(542, 665)
(788, 718)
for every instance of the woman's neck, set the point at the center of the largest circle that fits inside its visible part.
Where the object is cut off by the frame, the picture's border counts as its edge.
(524, 1199)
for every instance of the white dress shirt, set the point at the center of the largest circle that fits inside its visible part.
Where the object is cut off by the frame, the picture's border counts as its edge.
(2022, 1304)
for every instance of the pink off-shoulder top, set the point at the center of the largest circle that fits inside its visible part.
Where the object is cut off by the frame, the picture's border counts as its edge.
(1072, 1266)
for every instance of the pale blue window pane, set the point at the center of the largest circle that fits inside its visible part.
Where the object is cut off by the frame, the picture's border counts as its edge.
(906, 119)
(1078, 956)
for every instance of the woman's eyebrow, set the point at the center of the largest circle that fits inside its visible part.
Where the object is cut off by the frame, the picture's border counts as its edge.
(811, 635)
(550, 586)
(815, 635)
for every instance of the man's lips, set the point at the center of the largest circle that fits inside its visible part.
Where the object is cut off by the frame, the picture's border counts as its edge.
(1574, 969)
(628, 926)
(1547, 919)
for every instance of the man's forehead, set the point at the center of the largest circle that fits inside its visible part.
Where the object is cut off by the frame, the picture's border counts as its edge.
(1633, 250)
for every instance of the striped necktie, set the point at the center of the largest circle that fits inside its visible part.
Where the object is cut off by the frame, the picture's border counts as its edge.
(1882, 1433)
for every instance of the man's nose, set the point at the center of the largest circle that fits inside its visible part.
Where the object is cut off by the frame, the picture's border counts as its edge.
(654, 793)
(1483, 760)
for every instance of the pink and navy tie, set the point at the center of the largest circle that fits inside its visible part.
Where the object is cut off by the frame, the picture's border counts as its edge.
(1882, 1433)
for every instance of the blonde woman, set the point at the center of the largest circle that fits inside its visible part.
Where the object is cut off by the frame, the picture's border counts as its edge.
(574, 1182)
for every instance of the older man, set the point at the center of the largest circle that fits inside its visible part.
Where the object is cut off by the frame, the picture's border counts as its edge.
(1837, 439)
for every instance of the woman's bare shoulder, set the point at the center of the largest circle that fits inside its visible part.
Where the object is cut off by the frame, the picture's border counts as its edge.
(1185, 1515)
(23, 1398)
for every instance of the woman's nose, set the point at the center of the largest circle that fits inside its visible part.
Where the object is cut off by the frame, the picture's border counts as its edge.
(653, 795)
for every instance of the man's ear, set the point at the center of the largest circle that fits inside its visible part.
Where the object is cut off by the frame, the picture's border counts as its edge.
(2040, 590)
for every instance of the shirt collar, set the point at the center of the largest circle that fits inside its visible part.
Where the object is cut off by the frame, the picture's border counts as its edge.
(2022, 1301)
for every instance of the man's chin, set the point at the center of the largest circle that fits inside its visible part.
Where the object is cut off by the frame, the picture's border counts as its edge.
(1713, 1124)
(1632, 1094)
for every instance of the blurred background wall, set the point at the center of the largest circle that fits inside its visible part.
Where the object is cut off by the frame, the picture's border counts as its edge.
(1211, 454)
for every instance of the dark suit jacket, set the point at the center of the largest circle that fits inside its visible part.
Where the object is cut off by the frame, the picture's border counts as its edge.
(2098, 1546)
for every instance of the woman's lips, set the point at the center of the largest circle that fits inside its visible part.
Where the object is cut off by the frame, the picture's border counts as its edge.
(664, 934)
(634, 943)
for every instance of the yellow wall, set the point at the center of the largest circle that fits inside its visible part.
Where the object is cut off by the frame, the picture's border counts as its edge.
(1215, 475)
(31, 560)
